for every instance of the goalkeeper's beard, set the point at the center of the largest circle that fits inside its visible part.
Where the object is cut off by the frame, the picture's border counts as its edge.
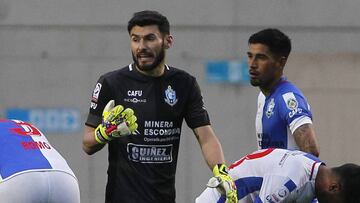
(152, 66)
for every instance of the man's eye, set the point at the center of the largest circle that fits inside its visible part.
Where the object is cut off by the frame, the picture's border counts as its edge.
(262, 57)
(151, 38)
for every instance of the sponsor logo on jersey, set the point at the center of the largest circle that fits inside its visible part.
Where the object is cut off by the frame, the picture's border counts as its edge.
(161, 132)
(25, 129)
(283, 159)
(265, 141)
(270, 108)
(96, 92)
(161, 139)
(292, 104)
(282, 192)
(35, 145)
(278, 196)
(134, 94)
(150, 153)
(93, 105)
(160, 128)
(293, 112)
(170, 96)
(135, 100)
(269, 199)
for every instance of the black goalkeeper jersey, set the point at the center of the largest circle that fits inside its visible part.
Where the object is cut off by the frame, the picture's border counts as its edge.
(142, 167)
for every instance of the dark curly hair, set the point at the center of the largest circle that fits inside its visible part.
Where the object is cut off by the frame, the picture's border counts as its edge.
(143, 18)
(349, 175)
(278, 43)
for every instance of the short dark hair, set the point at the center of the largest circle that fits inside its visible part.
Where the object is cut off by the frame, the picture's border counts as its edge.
(147, 17)
(349, 175)
(278, 43)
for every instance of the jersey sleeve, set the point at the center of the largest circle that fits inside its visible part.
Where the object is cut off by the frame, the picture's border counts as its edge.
(100, 97)
(195, 112)
(294, 110)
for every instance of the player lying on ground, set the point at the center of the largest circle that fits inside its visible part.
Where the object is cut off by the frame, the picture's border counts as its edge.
(287, 176)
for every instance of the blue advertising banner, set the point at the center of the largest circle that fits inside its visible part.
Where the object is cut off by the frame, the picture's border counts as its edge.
(227, 71)
(53, 120)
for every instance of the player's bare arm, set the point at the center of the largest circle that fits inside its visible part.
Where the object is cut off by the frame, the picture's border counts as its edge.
(90, 145)
(305, 138)
(210, 145)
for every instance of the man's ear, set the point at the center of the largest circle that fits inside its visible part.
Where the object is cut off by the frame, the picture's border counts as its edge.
(334, 187)
(282, 61)
(168, 41)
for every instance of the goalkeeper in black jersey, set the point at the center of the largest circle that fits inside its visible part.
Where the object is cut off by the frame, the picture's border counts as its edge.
(138, 111)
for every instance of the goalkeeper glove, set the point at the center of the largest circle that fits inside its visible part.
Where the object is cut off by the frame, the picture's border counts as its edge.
(223, 183)
(116, 122)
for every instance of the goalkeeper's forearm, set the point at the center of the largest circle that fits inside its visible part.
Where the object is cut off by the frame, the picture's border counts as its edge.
(90, 145)
(210, 146)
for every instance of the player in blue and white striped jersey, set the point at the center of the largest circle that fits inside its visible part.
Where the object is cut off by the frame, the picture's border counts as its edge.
(284, 118)
(287, 176)
(280, 114)
(31, 170)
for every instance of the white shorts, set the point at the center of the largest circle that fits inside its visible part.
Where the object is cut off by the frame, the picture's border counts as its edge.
(40, 187)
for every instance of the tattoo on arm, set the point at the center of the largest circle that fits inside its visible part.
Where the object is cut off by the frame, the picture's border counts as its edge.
(305, 138)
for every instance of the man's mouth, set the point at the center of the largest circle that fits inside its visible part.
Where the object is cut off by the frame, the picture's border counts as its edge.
(253, 74)
(145, 55)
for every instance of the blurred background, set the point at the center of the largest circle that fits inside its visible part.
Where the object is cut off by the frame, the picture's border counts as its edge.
(52, 53)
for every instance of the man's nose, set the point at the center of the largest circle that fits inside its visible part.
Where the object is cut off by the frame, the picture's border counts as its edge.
(141, 45)
(252, 63)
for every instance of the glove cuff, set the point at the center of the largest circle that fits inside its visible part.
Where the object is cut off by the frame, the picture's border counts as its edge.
(100, 135)
(220, 169)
